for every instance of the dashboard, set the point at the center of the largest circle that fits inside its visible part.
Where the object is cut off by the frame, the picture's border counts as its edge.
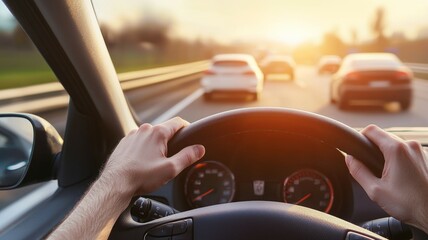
(262, 166)
(258, 167)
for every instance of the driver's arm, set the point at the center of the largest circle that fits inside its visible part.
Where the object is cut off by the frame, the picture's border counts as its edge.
(402, 191)
(138, 165)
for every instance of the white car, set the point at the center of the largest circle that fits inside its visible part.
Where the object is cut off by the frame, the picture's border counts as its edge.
(233, 73)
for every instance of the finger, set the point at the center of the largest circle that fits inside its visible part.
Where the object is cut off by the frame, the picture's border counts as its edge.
(379, 137)
(187, 156)
(173, 125)
(361, 173)
(133, 131)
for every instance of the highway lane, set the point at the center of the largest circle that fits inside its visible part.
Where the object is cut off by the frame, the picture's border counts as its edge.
(310, 92)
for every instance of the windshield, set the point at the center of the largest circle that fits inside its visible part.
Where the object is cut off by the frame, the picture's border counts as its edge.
(154, 33)
(150, 34)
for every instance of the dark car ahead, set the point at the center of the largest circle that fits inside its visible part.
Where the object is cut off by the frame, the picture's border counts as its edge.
(368, 78)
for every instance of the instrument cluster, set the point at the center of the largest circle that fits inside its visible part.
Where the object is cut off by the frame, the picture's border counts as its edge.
(212, 182)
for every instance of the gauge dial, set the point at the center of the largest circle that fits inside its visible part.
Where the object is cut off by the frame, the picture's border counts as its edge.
(209, 183)
(309, 188)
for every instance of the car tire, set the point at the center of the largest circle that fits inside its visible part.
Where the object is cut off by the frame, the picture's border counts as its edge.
(342, 104)
(332, 100)
(255, 96)
(207, 96)
(405, 105)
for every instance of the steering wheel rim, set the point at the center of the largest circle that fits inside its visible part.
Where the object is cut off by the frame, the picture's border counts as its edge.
(290, 121)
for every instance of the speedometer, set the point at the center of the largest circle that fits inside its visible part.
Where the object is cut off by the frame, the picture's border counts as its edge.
(209, 183)
(309, 188)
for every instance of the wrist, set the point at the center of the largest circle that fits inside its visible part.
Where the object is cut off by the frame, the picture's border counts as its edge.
(116, 186)
(423, 220)
(419, 217)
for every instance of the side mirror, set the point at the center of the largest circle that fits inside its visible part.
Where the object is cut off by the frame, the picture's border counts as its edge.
(29, 146)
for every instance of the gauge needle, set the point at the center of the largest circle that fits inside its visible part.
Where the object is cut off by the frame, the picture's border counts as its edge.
(303, 198)
(203, 195)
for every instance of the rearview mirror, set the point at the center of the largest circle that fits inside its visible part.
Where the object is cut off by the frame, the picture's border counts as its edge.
(28, 147)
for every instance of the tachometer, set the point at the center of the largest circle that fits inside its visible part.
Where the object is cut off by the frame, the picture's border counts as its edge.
(309, 188)
(209, 183)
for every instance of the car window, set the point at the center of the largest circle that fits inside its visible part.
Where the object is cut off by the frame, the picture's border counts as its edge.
(22, 72)
(278, 63)
(375, 63)
(230, 64)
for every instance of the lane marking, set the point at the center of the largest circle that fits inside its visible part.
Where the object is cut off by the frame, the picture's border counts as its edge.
(172, 112)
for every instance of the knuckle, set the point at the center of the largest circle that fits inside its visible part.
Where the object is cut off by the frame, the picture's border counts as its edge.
(145, 127)
(414, 145)
(178, 119)
(397, 146)
(369, 128)
(161, 131)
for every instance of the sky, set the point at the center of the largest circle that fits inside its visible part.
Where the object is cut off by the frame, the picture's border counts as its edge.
(288, 21)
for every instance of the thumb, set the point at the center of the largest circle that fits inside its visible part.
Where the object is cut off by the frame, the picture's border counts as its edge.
(361, 174)
(187, 156)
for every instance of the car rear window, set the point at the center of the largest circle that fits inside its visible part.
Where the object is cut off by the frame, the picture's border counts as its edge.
(278, 63)
(375, 63)
(230, 63)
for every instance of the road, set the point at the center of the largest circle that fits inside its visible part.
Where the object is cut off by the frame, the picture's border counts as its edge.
(308, 92)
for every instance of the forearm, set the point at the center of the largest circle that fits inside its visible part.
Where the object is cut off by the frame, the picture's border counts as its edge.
(422, 218)
(95, 215)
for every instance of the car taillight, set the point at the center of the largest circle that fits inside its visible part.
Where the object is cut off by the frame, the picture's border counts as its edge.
(402, 75)
(352, 76)
(249, 73)
(209, 72)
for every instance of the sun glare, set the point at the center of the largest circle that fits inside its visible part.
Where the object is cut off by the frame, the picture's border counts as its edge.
(295, 35)
(292, 39)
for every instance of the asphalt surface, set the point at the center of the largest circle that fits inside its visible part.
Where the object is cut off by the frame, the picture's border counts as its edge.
(308, 92)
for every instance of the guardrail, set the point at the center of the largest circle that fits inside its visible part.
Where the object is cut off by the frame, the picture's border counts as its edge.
(51, 96)
(418, 67)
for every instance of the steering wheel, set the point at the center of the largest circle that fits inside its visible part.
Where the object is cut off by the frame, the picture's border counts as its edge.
(262, 219)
